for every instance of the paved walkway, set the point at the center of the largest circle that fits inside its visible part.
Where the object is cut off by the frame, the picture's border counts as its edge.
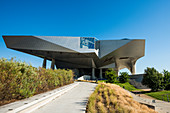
(160, 106)
(34, 100)
(74, 101)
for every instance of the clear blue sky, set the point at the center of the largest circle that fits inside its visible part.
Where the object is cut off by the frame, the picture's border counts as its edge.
(103, 19)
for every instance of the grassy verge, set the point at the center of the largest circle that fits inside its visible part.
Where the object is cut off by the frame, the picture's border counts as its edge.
(91, 81)
(111, 98)
(158, 95)
(101, 81)
(128, 86)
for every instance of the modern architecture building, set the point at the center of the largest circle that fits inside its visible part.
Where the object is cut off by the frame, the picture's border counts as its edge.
(84, 55)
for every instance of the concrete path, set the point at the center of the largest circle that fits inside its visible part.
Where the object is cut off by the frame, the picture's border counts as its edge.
(74, 101)
(160, 106)
(34, 101)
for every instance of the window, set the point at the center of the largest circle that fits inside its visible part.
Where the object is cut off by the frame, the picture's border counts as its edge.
(87, 43)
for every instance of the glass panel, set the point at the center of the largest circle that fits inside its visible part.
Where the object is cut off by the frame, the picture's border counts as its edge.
(87, 43)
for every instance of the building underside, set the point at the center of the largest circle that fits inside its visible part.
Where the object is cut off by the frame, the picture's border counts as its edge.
(84, 55)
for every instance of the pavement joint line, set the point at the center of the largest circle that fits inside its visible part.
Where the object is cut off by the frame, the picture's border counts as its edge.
(51, 97)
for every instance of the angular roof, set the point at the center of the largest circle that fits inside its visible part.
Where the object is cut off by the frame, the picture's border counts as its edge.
(69, 50)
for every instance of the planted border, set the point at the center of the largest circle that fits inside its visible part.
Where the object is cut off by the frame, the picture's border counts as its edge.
(19, 80)
(111, 98)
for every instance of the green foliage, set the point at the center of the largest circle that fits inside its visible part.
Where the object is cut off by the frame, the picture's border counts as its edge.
(111, 76)
(166, 79)
(19, 80)
(153, 79)
(124, 77)
(158, 95)
(127, 86)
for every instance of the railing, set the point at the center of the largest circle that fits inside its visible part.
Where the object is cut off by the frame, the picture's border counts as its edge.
(165, 96)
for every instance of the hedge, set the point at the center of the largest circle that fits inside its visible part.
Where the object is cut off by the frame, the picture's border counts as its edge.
(19, 80)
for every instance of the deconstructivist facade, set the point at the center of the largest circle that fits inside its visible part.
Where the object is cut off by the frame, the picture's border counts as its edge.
(84, 55)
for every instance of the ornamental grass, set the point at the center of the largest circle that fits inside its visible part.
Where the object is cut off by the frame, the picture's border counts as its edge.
(111, 98)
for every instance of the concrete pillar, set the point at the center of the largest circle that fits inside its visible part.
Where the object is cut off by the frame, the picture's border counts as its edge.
(101, 77)
(52, 63)
(44, 63)
(116, 66)
(132, 68)
(93, 73)
(116, 70)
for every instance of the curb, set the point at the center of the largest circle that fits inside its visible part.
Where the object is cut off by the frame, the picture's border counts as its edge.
(41, 102)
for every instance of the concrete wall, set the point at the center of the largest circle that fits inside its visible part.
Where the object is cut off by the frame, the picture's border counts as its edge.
(137, 77)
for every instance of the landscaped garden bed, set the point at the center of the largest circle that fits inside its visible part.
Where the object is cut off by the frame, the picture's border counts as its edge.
(111, 98)
(19, 80)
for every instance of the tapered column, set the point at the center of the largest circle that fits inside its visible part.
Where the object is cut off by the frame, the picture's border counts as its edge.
(52, 63)
(101, 77)
(93, 73)
(132, 68)
(116, 69)
(44, 63)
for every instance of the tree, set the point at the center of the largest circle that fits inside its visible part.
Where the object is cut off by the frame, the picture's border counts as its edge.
(153, 79)
(124, 77)
(166, 79)
(111, 76)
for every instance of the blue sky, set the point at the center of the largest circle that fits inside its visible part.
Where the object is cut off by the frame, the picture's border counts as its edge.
(103, 19)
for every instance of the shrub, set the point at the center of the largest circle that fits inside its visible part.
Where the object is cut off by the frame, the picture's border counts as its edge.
(166, 79)
(111, 76)
(124, 77)
(19, 80)
(153, 79)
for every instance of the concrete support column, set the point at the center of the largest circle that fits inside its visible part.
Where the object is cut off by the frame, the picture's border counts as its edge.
(44, 63)
(93, 73)
(52, 63)
(116, 66)
(132, 68)
(116, 70)
(101, 77)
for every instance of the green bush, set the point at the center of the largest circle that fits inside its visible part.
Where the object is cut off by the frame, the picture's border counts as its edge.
(19, 80)
(111, 76)
(166, 79)
(124, 77)
(153, 79)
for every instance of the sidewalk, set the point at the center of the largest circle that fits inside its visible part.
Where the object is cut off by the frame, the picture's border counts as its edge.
(160, 106)
(74, 101)
(26, 103)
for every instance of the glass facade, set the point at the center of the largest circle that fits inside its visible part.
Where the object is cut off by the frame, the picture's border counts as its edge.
(88, 43)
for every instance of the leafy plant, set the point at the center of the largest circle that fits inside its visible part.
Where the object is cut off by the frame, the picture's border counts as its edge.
(153, 79)
(19, 80)
(124, 77)
(111, 76)
(166, 79)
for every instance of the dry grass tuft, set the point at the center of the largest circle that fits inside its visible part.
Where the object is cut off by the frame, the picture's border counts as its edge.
(111, 98)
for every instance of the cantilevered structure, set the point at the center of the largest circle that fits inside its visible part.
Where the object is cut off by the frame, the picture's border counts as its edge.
(85, 55)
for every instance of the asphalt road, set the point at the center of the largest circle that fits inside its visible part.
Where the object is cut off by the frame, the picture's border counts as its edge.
(74, 101)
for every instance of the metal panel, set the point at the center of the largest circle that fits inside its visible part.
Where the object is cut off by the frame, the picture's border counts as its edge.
(32, 43)
(108, 46)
